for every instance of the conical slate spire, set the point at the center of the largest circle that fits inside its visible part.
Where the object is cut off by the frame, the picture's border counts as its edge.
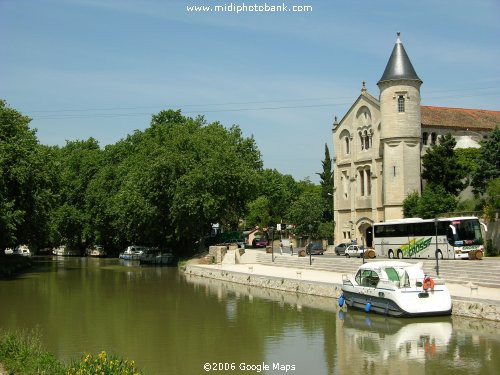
(399, 65)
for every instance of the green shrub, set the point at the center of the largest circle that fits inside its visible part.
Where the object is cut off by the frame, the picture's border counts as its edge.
(21, 352)
(491, 251)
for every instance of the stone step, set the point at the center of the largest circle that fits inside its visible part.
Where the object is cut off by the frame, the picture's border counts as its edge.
(453, 272)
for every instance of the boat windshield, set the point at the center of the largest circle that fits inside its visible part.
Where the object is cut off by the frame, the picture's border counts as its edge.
(466, 232)
(398, 276)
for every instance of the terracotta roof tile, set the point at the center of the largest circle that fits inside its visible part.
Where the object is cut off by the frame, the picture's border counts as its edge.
(460, 118)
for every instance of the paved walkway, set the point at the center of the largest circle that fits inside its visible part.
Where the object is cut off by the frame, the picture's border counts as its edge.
(458, 291)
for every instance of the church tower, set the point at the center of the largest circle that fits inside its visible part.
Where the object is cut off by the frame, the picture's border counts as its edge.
(400, 131)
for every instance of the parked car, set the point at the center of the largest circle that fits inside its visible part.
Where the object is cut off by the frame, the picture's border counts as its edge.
(259, 242)
(354, 251)
(340, 248)
(315, 248)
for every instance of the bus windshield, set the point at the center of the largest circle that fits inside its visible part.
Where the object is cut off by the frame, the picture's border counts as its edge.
(466, 232)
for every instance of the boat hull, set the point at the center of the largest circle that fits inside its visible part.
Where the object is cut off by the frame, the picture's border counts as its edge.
(397, 308)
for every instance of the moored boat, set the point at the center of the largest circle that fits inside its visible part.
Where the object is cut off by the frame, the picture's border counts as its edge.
(134, 252)
(97, 251)
(396, 288)
(63, 250)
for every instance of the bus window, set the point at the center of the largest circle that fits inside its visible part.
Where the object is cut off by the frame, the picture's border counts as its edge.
(468, 230)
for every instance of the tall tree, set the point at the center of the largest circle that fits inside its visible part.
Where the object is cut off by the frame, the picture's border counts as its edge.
(434, 201)
(488, 162)
(71, 222)
(441, 166)
(327, 186)
(307, 213)
(26, 181)
(281, 191)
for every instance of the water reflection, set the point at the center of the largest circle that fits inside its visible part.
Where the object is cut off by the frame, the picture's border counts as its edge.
(381, 338)
(172, 323)
(351, 341)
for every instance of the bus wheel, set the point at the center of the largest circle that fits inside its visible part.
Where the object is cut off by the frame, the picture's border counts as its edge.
(400, 254)
(439, 254)
(390, 254)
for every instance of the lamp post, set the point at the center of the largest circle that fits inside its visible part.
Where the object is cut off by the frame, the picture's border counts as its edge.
(437, 254)
(271, 229)
(310, 252)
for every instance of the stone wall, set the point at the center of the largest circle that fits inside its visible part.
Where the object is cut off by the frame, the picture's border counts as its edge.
(472, 308)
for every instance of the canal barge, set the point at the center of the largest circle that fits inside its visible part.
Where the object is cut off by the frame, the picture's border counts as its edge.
(397, 289)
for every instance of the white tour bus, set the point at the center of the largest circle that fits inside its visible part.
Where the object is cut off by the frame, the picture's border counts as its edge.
(416, 238)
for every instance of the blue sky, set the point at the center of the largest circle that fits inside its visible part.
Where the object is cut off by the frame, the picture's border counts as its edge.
(100, 68)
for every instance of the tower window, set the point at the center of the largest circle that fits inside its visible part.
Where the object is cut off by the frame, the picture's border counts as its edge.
(401, 103)
(347, 145)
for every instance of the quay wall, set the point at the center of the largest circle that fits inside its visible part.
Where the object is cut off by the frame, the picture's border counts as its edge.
(467, 307)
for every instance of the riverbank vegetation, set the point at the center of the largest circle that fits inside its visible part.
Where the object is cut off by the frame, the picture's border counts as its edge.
(22, 352)
(163, 186)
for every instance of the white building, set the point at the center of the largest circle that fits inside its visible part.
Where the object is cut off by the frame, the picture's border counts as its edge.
(379, 143)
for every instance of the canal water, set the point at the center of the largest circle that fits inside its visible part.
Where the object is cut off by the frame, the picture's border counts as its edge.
(172, 323)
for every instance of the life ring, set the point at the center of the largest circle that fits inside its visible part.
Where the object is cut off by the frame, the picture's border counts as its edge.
(428, 283)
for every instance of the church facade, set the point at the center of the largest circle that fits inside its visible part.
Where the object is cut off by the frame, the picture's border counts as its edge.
(379, 143)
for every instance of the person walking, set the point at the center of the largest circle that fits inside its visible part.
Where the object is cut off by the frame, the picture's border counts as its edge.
(281, 247)
(291, 248)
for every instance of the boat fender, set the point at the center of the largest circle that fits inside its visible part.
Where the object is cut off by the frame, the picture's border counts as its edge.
(368, 306)
(428, 283)
(341, 315)
(341, 300)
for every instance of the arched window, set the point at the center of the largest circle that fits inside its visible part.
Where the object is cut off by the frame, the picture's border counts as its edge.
(433, 138)
(367, 140)
(368, 182)
(361, 141)
(425, 138)
(361, 182)
(401, 103)
(347, 145)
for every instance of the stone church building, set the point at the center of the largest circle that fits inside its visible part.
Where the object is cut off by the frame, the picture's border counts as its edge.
(379, 143)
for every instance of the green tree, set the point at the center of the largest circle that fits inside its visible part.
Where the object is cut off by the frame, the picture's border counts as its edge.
(27, 181)
(467, 159)
(327, 186)
(280, 190)
(258, 213)
(410, 205)
(492, 206)
(488, 162)
(441, 167)
(167, 185)
(71, 223)
(307, 213)
(436, 200)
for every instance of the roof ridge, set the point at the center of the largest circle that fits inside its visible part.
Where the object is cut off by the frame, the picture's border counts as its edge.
(460, 108)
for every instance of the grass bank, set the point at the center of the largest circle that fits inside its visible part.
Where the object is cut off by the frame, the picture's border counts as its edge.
(12, 265)
(22, 352)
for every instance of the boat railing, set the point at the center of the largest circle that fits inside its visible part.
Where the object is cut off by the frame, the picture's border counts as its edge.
(346, 280)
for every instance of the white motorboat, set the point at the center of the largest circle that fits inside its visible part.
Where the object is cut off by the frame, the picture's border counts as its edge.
(396, 289)
(96, 251)
(65, 251)
(135, 252)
